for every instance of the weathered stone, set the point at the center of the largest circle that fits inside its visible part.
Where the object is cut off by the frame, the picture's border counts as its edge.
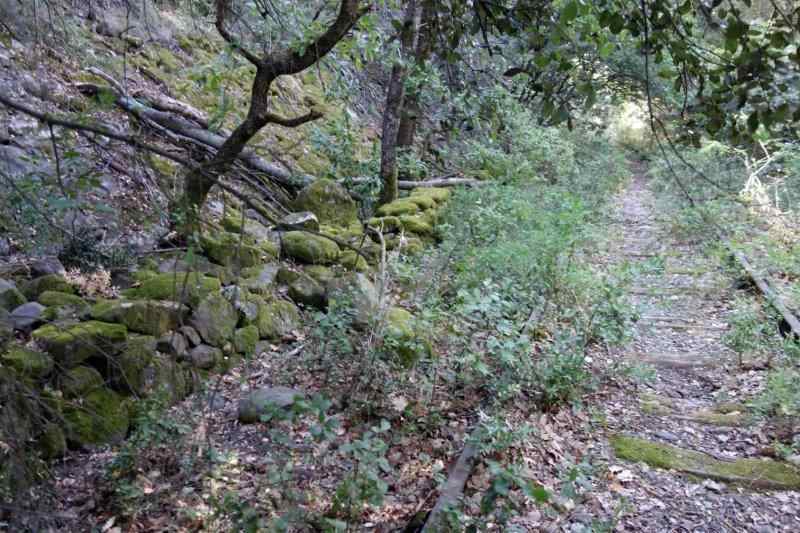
(60, 299)
(187, 288)
(151, 317)
(191, 335)
(45, 266)
(322, 274)
(27, 362)
(401, 206)
(309, 248)
(173, 343)
(329, 201)
(127, 371)
(245, 339)
(27, 316)
(277, 319)
(72, 344)
(261, 402)
(400, 338)
(215, 319)
(263, 281)
(164, 379)
(421, 225)
(353, 261)
(205, 357)
(10, 296)
(49, 282)
(357, 292)
(307, 291)
(759, 473)
(100, 417)
(79, 381)
(198, 264)
(301, 220)
(229, 249)
(287, 275)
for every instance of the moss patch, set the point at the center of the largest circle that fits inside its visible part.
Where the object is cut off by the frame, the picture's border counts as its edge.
(401, 206)
(71, 345)
(310, 248)
(229, 249)
(438, 194)
(26, 362)
(329, 201)
(49, 282)
(151, 317)
(186, 287)
(98, 418)
(766, 474)
(245, 339)
(79, 381)
(277, 319)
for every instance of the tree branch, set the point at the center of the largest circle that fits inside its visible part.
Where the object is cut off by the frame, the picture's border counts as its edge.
(223, 7)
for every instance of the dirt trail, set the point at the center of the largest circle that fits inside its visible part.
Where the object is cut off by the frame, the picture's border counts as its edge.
(695, 400)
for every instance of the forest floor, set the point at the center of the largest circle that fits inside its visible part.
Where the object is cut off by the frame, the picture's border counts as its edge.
(696, 398)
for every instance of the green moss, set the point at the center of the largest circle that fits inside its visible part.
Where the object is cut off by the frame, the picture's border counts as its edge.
(400, 338)
(98, 418)
(329, 201)
(215, 320)
(188, 287)
(758, 473)
(277, 319)
(151, 317)
(385, 224)
(72, 344)
(417, 224)
(145, 274)
(424, 202)
(401, 206)
(320, 273)
(49, 282)
(654, 408)
(287, 275)
(245, 339)
(307, 291)
(438, 194)
(79, 381)
(10, 296)
(310, 248)
(353, 261)
(58, 299)
(128, 372)
(228, 249)
(27, 362)
(52, 441)
(344, 233)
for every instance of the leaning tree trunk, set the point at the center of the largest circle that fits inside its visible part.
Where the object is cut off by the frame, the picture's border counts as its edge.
(395, 96)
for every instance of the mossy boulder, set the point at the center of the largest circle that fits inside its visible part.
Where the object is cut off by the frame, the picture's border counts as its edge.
(758, 473)
(230, 250)
(128, 371)
(72, 344)
(215, 319)
(385, 224)
(100, 417)
(245, 339)
(61, 305)
(357, 292)
(79, 381)
(424, 202)
(301, 220)
(439, 194)
(26, 362)
(10, 296)
(277, 319)
(205, 357)
(353, 261)
(401, 206)
(52, 441)
(151, 317)
(307, 291)
(50, 282)
(329, 201)
(260, 280)
(197, 263)
(287, 275)
(407, 244)
(309, 248)
(320, 273)
(400, 337)
(421, 225)
(188, 288)
(163, 378)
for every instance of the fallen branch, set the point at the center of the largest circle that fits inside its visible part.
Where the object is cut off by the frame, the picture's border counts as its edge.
(453, 488)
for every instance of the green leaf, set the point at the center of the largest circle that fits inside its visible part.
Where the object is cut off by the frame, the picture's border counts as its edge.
(606, 50)
(570, 11)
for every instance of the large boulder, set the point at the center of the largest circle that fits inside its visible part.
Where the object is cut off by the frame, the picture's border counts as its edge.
(27, 316)
(277, 319)
(400, 338)
(263, 401)
(10, 296)
(72, 344)
(229, 249)
(100, 417)
(215, 319)
(187, 288)
(307, 291)
(27, 362)
(329, 201)
(79, 381)
(359, 294)
(151, 317)
(310, 248)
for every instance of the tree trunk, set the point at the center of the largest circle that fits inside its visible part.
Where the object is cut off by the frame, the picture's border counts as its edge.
(395, 96)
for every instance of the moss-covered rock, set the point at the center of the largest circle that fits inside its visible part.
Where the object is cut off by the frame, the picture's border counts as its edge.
(188, 288)
(320, 273)
(439, 194)
(79, 381)
(421, 225)
(260, 280)
(52, 441)
(72, 344)
(215, 319)
(400, 339)
(287, 275)
(10, 296)
(307, 291)
(205, 357)
(100, 417)
(358, 293)
(26, 362)
(128, 371)
(309, 248)
(230, 250)
(151, 317)
(350, 260)
(50, 282)
(758, 473)
(245, 339)
(401, 206)
(424, 202)
(385, 224)
(165, 380)
(277, 319)
(407, 244)
(61, 305)
(329, 201)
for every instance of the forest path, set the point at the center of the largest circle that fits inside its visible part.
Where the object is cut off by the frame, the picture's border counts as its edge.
(689, 455)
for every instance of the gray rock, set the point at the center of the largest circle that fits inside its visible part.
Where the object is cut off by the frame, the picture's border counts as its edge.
(191, 335)
(46, 265)
(301, 220)
(27, 316)
(215, 319)
(360, 293)
(264, 281)
(10, 296)
(172, 343)
(308, 291)
(262, 401)
(205, 357)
